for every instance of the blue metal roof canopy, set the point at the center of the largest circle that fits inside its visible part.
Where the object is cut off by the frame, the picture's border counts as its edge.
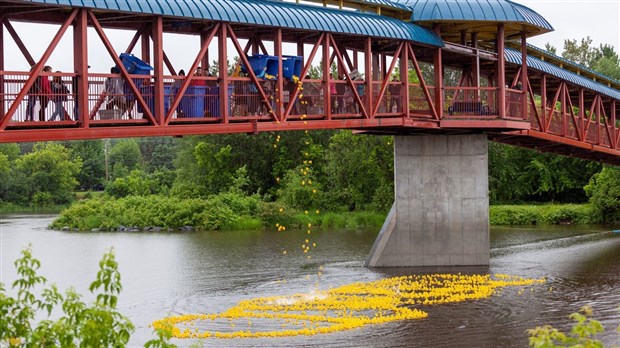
(268, 13)
(477, 10)
(514, 56)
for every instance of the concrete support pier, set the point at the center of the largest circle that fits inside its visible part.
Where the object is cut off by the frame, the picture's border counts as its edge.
(440, 215)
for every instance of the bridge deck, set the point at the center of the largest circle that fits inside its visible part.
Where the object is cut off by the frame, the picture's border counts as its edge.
(410, 87)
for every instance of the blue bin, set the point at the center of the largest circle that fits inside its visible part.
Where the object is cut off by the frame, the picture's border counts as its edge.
(261, 64)
(135, 65)
(193, 102)
(213, 100)
(291, 66)
(148, 93)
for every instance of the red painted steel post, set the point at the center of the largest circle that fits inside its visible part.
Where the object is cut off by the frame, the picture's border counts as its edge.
(80, 63)
(524, 86)
(438, 70)
(563, 109)
(277, 51)
(2, 96)
(367, 100)
(327, 103)
(204, 61)
(501, 73)
(543, 102)
(476, 66)
(582, 114)
(614, 129)
(158, 66)
(223, 71)
(145, 43)
(404, 80)
(19, 43)
(300, 51)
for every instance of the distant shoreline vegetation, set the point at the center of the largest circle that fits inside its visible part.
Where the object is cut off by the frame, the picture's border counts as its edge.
(230, 211)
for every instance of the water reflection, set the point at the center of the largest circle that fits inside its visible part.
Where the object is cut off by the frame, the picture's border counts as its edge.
(178, 273)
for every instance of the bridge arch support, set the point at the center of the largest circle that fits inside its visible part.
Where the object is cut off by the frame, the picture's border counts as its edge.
(440, 215)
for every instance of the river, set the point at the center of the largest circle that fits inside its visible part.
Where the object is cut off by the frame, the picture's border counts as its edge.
(207, 272)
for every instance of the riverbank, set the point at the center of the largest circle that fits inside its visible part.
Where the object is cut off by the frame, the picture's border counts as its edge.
(231, 211)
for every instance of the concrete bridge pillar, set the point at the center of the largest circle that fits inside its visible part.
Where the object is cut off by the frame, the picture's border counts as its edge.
(440, 215)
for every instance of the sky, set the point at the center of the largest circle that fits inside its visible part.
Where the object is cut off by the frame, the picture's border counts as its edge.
(576, 19)
(571, 19)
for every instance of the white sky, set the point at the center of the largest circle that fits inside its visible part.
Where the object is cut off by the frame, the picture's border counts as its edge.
(572, 19)
(576, 19)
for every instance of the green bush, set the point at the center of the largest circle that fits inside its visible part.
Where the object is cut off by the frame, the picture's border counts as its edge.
(582, 334)
(97, 325)
(604, 193)
(543, 214)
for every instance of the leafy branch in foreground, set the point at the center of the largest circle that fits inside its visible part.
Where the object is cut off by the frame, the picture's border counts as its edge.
(582, 334)
(97, 325)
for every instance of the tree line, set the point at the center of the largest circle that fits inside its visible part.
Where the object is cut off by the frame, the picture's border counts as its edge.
(333, 170)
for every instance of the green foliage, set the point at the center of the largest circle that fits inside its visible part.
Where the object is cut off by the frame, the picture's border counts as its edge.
(522, 175)
(542, 214)
(91, 154)
(357, 167)
(157, 211)
(125, 156)
(300, 188)
(582, 334)
(46, 176)
(604, 193)
(97, 325)
(140, 183)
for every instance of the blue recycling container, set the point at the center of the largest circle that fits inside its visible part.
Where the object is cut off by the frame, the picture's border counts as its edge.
(135, 65)
(261, 64)
(193, 102)
(148, 93)
(291, 66)
(213, 100)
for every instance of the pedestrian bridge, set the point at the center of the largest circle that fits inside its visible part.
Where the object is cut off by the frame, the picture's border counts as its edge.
(443, 78)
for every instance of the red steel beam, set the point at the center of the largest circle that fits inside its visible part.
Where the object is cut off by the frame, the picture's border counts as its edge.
(206, 39)
(128, 80)
(2, 96)
(304, 72)
(157, 29)
(501, 67)
(279, 92)
(259, 87)
(386, 78)
(80, 65)
(327, 102)
(356, 95)
(404, 81)
(423, 84)
(36, 70)
(223, 72)
(368, 100)
(19, 43)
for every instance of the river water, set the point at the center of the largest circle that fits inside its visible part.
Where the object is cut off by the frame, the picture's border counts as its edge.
(208, 272)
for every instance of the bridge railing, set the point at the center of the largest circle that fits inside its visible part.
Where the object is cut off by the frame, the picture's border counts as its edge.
(419, 106)
(476, 102)
(40, 104)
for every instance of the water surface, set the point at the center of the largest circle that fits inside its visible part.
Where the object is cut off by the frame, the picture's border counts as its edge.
(206, 272)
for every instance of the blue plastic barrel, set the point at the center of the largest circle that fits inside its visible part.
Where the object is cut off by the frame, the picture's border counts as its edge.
(193, 102)
(291, 66)
(261, 64)
(148, 93)
(135, 65)
(213, 100)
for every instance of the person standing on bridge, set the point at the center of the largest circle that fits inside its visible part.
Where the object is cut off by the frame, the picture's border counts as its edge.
(60, 94)
(33, 93)
(113, 89)
(46, 92)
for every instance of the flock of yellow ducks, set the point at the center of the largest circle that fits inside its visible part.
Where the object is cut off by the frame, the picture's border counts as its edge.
(344, 308)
